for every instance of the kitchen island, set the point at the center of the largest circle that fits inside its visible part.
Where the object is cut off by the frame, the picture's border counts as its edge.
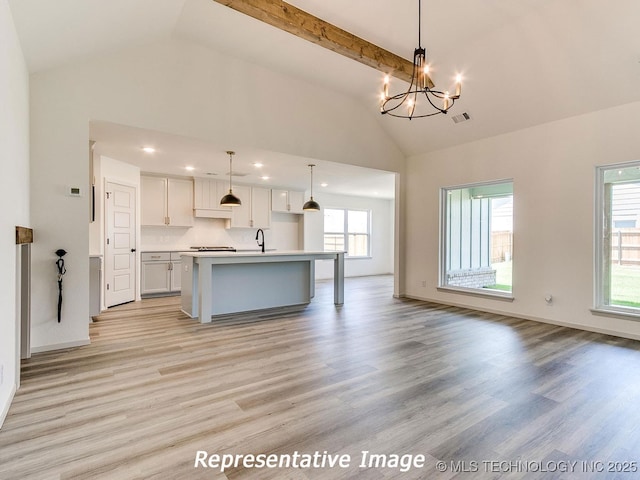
(218, 283)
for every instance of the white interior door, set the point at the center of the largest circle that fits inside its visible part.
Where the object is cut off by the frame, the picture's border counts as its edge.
(120, 244)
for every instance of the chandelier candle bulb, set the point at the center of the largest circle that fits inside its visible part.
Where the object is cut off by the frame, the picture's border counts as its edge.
(458, 85)
(386, 87)
(445, 101)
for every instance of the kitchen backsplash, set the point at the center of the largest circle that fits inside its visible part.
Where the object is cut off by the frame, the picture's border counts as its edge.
(283, 235)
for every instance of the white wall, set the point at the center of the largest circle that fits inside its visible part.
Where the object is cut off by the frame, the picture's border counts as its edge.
(382, 235)
(553, 172)
(110, 170)
(176, 87)
(14, 192)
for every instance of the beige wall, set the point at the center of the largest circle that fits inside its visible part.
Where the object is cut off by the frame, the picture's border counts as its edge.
(14, 192)
(553, 172)
(382, 235)
(174, 87)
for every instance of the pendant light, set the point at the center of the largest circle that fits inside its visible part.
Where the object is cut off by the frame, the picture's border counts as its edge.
(230, 200)
(311, 205)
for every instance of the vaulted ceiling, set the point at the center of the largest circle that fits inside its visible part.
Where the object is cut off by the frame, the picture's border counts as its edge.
(524, 62)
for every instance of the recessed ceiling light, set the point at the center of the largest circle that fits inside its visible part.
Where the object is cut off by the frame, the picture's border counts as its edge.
(190, 168)
(265, 177)
(323, 184)
(258, 164)
(148, 149)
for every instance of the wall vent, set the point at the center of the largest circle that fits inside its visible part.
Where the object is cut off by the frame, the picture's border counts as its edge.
(463, 117)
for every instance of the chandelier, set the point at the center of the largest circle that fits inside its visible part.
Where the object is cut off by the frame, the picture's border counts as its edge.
(411, 104)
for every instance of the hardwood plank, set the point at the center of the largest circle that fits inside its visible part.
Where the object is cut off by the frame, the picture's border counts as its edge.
(379, 374)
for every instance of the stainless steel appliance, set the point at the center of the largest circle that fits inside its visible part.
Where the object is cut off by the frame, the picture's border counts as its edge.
(214, 249)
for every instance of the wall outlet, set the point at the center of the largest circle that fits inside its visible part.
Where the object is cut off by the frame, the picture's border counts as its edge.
(423, 283)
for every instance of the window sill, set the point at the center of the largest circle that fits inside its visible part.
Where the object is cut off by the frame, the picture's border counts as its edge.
(626, 313)
(495, 294)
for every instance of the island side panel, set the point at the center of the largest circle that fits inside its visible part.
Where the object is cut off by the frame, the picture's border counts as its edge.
(338, 279)
(188, 290)
(204, 289)
(244, 287)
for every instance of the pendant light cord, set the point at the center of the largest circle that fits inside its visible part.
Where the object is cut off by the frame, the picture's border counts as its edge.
(230, 169)
(419, 23)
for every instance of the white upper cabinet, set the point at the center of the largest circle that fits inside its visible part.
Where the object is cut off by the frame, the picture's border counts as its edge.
(279, 200)
(296, 201)
(260, 207)
(287, 201)
(153, 200)
(206, 198)
(255, 211)
(166, 201)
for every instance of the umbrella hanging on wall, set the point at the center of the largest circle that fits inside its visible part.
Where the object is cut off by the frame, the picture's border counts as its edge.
(61, 271)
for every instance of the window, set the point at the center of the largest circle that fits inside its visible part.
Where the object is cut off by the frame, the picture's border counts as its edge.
(477, 238)
(618, 238)
(347, 230)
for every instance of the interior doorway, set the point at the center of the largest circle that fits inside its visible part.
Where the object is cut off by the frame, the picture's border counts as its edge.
(119, 243)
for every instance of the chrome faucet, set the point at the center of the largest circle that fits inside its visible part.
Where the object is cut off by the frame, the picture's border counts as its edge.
(257, 235)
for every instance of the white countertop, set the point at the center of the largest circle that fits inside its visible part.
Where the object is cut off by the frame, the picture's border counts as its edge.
(191, 250)
(276, 253)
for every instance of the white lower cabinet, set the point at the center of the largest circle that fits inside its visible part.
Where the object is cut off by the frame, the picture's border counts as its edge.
(160, 273)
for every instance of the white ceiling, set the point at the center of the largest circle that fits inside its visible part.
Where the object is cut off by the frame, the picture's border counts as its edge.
(524, 62)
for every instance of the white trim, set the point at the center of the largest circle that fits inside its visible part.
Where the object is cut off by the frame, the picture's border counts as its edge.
(479, 292)
(619, 312)
(60, 346)
(345, 232)
(443, 225)
(532, 318)
(5, 409)
(598, 261)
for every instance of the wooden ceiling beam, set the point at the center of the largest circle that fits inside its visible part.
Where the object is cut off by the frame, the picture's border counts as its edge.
(304, 25)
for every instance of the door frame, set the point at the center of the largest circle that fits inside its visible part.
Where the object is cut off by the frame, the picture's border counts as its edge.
(136, 228)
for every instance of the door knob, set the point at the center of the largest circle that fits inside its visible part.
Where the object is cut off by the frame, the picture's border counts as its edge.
(133, 250)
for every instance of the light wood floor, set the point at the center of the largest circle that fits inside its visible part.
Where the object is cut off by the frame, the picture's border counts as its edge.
(379, 374)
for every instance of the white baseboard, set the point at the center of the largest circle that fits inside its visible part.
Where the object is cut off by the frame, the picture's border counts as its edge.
(575, 326)
(60, 346)
(5, 408)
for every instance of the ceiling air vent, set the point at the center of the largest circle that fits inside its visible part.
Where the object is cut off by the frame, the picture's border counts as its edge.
(463, 117)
